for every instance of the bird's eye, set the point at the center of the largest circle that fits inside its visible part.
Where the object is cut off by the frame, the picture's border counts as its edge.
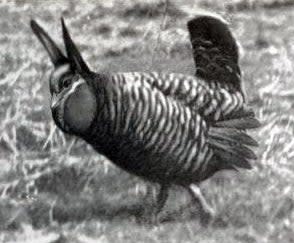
(67, 82)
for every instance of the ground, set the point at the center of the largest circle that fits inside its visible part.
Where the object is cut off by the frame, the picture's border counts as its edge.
(54, 188)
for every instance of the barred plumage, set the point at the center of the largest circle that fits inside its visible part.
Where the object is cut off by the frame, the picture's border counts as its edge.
(158, 130)
(165, 127)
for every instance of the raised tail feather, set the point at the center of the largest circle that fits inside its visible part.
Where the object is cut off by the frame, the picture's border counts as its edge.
(215, 49)
(231, 143)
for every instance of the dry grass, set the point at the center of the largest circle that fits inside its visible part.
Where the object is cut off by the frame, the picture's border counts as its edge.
(56, 189)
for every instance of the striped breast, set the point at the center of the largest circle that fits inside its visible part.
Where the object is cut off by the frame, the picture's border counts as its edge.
(148, 133)
(213, 100)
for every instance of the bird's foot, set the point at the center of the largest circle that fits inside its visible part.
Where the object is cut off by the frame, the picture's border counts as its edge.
(207, 216)
(149, 217)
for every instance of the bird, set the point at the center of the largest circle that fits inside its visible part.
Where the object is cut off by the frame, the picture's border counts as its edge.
(166, 128)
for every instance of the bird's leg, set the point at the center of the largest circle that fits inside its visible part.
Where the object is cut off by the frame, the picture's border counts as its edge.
(149, 200)
(161, 198)
(152, 211)
(150, 194)
(207, 212)
(160, 202)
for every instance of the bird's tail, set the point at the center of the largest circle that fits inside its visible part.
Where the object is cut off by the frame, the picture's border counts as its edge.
(215, 49)
(230, 142)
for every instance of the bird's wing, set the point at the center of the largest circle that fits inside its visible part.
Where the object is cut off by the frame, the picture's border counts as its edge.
(213, 103)
(215, 50)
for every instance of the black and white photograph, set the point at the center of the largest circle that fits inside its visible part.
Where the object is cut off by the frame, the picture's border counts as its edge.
(146, 121)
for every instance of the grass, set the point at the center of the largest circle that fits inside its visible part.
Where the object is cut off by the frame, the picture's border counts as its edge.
(54, 188)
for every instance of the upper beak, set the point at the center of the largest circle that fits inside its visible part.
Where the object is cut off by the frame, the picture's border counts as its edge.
(54, 101)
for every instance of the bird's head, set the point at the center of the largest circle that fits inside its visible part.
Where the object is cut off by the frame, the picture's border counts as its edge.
(73, 102)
